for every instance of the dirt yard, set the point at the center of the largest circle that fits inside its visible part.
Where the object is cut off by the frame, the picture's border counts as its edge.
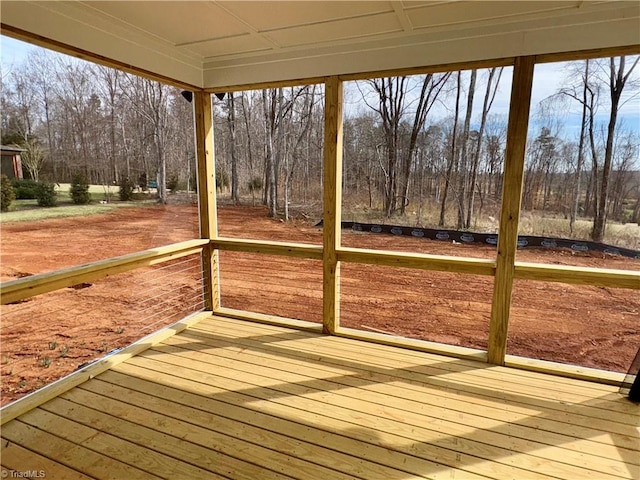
(51, 335)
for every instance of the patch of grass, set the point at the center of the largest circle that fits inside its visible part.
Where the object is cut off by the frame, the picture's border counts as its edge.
(93, 189)
(28, 211)
(45, 362)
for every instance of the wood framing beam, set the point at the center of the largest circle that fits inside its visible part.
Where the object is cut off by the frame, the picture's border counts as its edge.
(441, 263)
(332, 203)
(16, 290)
(510, 213)
(269, 319)
(602, 277)
(207, 197)
(299, 250)
(414, 344)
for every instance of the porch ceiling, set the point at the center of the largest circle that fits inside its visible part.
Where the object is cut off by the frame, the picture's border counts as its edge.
(218, 43)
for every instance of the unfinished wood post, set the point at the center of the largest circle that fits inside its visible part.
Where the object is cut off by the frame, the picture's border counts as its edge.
(207, 197)
(510, 213)
(332, 204)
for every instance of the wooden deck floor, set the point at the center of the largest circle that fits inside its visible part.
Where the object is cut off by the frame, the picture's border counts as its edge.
(231, 399)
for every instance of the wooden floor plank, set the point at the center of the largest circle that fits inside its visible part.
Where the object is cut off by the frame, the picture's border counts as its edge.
(428, 402)
(474, 454)
(17, 460)
(305, 412)
(238, 327)
(497, 391)
(238, 407)
(474, 393)
(219, 435)
(69, 453)
(369, 349)
(65, 419)
(471, 373)
(292, 440)
(171, 446)
(399, 356)
(483, 443)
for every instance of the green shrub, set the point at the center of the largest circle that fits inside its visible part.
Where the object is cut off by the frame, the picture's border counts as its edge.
(25, 189)
(126, 189)
(47, 195)
(7, 194)
(80, 190)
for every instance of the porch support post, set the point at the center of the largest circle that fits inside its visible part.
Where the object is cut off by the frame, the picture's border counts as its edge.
(207, 197)
(510, 213)
(332, 204)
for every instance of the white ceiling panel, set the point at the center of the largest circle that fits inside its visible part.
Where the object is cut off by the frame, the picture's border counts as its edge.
(266, 16)
(336, 30)
(229, 46)
(177, 22)
(474, 12)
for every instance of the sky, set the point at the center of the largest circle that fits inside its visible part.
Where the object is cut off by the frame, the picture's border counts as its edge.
(547, 78)
(13, 52)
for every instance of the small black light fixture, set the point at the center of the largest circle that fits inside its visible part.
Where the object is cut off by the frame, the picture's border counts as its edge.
(188, 96)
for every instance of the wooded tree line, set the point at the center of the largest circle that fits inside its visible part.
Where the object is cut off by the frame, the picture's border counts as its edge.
(74, 117)
(426, 148)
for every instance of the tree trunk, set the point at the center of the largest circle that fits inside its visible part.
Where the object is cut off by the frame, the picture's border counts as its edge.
(447, 178)
(462, 171)
(486, 107)
(235, 196)
(617, 83)
(577, 178)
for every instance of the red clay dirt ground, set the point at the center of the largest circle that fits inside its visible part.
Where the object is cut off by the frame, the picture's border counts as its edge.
(51, 335)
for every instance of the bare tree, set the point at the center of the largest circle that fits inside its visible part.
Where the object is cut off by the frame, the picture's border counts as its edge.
(393, 97)
(618, 75)
(33, 158)
(489, 97)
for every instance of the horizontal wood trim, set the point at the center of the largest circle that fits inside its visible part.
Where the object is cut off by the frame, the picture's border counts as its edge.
(299, 250)
(16, 290)
(564, 370)
(298, 82)
(578, 275)
(413, 344)
(46, 393)
(82, 54)
(442, 68)
(448, 67)
(588, 54)
(268, 319)
(440, 263)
